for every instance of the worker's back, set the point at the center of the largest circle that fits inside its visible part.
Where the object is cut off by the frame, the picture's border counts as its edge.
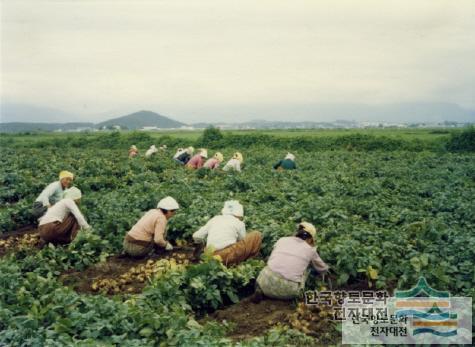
(224, 230)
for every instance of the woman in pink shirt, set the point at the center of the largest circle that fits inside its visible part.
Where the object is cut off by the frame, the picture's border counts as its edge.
(285, 273)
(197, 161)
(150, 230)
(213, 163)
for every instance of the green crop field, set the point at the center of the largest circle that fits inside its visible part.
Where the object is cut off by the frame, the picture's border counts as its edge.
(390, 206)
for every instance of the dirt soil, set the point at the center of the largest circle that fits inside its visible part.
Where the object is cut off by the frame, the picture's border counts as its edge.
(249, 319)
(26, 237)
(115, 267)
(253, 319)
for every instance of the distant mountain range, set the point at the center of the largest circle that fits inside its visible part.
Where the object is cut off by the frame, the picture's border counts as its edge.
(137, 120)
(263, 124)
(13, 117)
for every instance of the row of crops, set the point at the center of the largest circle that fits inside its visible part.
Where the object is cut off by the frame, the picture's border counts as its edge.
(385, 217)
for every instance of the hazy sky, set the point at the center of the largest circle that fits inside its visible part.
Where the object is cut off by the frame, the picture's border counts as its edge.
(193, 58)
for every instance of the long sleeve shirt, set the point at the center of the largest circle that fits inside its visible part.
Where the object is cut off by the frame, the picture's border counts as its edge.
(151, 228)
(211, 163)
(195, 162)
(59, 211)
(51, 194)
(221, 232)
(232, 164)
(291, 257)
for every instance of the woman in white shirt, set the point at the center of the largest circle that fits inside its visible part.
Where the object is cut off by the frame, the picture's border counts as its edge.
(226, 234)
(62, 221)
(151, 151)
(52, 194)
(234, 163)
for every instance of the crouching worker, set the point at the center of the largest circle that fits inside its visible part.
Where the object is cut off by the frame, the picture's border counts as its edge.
(62, 221)
(285, 273)
(287, 164)
(213, 163)
(197, 161)
(183, 155)
(234, 163)
(133, 151)
(226, 234)
(151, 151)
(51, 194)
(150, 230)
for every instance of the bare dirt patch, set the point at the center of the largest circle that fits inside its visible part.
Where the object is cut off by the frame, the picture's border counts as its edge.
(251, 319)
(122, 274)
(26, 237)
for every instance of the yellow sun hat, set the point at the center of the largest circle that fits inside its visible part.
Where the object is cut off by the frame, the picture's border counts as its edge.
(219, 156)
(238, 156)
(66, 174)
(309, 228)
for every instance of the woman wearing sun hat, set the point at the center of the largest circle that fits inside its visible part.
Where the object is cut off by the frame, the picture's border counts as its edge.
(151, 151)
(52, 194)
(287, 164)
(198, 160)
(285, 273)
(61, 222)
(213, 163)
(133, 151)
(234, 163)
(150, 231)
(226, 235)
(183, 155)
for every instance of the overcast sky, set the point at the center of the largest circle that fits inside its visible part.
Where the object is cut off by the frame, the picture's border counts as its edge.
(192, 59)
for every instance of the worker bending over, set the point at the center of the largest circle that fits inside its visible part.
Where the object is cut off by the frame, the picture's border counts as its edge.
(234, 164)
(213, 163)
(287, 164)
(62, 221)
(150, 231)
(52, 194)
(285, 273)
(197, 161)
(226, 234)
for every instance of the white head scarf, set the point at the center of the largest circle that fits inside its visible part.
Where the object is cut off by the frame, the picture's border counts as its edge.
(290, 156)
(233, 207)
(72, 193)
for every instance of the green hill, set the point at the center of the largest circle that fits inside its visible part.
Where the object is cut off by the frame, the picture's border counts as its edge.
(141, 119)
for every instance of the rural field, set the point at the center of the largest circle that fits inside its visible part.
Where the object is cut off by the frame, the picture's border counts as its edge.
(390, 206)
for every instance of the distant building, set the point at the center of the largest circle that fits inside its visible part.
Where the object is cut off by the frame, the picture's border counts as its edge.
(148, 128)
